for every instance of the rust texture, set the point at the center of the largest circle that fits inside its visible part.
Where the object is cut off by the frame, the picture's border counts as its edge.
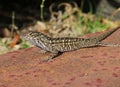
(87, 67)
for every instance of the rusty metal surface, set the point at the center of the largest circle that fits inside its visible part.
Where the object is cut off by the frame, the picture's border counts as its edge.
(89, 67)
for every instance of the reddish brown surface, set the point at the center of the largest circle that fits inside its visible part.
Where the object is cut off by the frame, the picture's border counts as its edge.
(89, 67)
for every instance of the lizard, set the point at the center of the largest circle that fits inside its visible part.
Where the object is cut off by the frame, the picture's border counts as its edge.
(63, 44)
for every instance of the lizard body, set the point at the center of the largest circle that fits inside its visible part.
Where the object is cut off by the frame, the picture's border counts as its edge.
(56, 45)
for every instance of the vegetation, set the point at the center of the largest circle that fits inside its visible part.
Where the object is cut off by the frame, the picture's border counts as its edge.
(69, 22)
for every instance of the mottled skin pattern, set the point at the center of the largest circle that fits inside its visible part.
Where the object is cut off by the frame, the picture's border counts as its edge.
(56, 45)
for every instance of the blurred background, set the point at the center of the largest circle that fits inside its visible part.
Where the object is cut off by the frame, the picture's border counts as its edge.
(56, 18)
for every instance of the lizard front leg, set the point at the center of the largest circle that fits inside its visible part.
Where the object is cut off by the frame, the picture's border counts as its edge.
(43, 51)
(52, 56)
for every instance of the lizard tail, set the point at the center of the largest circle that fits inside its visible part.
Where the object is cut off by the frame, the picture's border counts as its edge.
(105, 35)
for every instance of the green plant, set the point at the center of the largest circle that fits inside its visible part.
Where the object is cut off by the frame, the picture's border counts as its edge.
(41, 10)
(87, 23)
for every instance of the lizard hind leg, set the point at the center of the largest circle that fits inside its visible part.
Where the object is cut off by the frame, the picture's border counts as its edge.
(107, 44)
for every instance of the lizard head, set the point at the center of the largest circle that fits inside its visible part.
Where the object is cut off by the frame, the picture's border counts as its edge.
(36, 38)
(27, 36)
(31, 35)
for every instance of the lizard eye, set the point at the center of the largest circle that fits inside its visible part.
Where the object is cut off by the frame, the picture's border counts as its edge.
(28, 34)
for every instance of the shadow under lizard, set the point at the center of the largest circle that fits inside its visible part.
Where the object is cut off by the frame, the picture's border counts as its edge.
(60, 45)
